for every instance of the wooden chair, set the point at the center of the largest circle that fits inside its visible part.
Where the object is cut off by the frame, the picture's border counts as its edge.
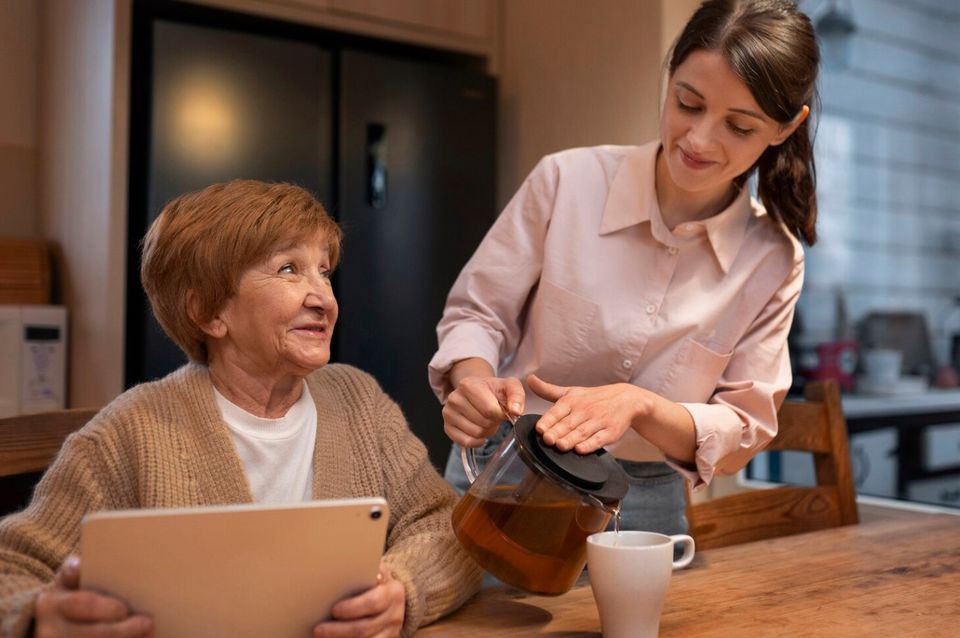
(28, 443)
(25, 271)
(814, 425)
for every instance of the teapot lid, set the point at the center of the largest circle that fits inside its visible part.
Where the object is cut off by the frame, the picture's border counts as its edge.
(597, 474)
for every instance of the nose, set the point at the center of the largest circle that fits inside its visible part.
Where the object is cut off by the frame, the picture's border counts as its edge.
(700, 135)
(320, 294)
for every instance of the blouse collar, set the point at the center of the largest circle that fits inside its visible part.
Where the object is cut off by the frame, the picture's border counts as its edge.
(632, 200)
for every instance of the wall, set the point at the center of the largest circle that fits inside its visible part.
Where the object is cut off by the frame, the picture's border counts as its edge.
(888, 165)
(576, 73)
(18, 108)
(673, 16)
(82, 177)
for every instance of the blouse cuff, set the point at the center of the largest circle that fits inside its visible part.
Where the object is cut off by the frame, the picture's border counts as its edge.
(463, 342)
(719, 433)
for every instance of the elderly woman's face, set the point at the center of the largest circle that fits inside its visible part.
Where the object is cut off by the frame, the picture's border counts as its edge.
(282, 317)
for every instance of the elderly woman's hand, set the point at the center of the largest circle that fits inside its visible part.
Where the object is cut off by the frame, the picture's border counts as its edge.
(67, 610)
(376, 613)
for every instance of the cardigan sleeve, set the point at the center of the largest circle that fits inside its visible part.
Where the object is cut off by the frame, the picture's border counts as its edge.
(422, 550)
(35, 541)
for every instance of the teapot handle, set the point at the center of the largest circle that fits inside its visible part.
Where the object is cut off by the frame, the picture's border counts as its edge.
(469, 459)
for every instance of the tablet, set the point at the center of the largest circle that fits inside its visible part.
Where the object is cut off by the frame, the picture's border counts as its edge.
(235, 570)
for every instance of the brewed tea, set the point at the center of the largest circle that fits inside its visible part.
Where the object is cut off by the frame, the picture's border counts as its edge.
(539, 547)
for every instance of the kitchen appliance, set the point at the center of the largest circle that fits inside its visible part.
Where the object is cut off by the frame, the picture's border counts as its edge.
(526, 517)
(33, 349)
(830, 360)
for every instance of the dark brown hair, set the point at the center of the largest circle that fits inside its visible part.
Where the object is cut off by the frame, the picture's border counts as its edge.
(771, 46)
(203, 242)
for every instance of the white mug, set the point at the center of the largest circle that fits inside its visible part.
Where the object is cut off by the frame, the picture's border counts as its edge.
(882, 366)
(629, 572)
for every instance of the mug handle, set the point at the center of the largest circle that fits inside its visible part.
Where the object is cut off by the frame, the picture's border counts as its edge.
(688, 549)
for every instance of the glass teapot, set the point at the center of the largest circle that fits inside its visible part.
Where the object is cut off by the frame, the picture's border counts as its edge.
(527, 515)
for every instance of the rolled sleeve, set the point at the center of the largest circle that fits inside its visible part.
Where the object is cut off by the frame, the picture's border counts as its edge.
(719, 433)
(740, 419)
(464, 340)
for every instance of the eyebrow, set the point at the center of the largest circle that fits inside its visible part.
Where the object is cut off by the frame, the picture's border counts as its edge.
(286, 247)
(743, 111)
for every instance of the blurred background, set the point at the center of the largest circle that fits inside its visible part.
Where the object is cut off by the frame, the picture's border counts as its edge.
(414, 121)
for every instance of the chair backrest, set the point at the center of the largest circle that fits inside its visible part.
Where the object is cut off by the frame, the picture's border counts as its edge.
(25, 271)
(29, 442)
(814, 425)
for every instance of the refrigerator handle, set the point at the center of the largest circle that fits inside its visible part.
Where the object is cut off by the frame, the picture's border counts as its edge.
(376, 165)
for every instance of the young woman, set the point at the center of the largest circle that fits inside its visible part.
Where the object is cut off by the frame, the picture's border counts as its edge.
(639, 297)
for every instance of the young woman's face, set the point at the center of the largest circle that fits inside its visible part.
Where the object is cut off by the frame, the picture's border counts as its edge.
(711, 127)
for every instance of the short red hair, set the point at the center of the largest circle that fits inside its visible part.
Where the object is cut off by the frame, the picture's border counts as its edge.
(203, 242)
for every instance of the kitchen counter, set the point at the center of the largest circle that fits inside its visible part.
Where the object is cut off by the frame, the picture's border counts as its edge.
(906, 446)
(857, 406)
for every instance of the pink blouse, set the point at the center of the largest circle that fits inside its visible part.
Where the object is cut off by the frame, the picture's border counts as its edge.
(580, 281)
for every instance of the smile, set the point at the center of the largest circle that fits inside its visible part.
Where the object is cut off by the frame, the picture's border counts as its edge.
(694, 162)
(318, 330)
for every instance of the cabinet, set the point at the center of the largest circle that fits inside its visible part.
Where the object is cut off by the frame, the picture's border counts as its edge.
(873, 462)
(465, 26)
(926, 428)
(470, 20)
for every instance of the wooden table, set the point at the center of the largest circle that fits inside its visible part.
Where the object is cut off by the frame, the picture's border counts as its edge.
(891, 578)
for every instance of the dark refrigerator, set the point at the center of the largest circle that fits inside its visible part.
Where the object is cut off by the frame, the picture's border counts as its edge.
(398, 145)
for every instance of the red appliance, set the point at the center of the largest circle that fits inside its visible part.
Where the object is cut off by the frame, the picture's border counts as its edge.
(831, 360)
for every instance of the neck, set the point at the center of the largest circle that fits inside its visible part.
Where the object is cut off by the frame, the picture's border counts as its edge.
(264, 396)
(678, 206)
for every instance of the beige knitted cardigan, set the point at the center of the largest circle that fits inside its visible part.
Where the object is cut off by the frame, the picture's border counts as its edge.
(164, 444)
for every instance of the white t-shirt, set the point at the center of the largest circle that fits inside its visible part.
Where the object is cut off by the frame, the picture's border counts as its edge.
(277, 454)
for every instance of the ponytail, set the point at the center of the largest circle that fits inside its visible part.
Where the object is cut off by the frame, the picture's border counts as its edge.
(787, 184)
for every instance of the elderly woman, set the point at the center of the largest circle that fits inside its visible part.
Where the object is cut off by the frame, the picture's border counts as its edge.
(239, 276)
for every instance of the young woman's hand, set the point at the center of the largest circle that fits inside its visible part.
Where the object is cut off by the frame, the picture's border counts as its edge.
(475, 409)
(376, 613)
(67, 610)
(586, 419)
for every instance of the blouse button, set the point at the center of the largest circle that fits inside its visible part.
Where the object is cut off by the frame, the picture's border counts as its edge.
(627, 364)
(650, 309)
